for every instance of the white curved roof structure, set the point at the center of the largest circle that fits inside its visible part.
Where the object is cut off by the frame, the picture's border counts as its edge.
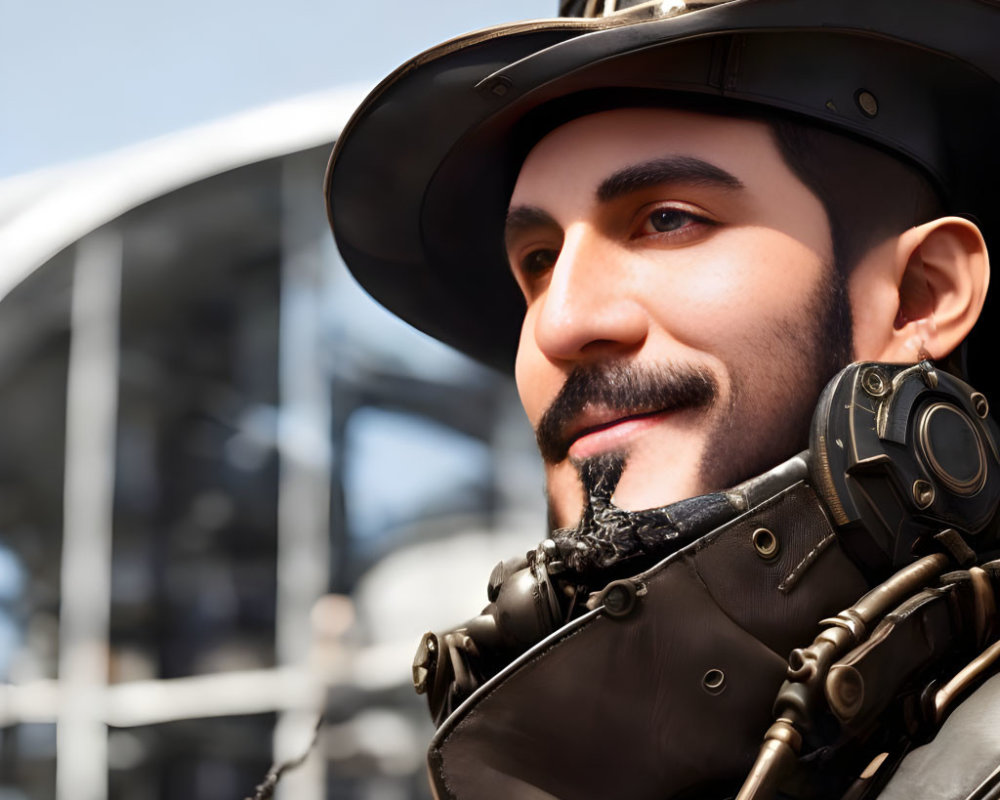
(42, 213)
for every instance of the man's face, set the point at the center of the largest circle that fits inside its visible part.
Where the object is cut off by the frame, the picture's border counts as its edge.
(678, 281)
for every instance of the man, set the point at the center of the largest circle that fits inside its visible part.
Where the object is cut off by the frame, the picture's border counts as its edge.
(708, 212)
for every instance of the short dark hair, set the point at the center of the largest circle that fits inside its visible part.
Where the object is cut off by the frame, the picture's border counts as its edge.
(869, 194)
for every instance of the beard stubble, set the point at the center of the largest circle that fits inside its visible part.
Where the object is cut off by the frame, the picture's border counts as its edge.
(770, 404)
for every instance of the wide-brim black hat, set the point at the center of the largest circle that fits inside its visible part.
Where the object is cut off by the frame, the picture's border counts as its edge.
(418, 184)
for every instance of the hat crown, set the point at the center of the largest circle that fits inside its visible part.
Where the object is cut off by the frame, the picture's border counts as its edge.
(644, 9)
(923, 84)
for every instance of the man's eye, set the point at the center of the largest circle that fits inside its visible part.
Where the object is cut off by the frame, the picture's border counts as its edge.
(538, 261)
(668, 220)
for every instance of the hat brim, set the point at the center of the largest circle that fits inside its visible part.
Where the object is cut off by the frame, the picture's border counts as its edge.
(418, 184)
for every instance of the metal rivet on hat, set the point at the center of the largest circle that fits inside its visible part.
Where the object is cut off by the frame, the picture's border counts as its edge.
(765, 543)
(866, 102)
(500, 86)
(714, 681)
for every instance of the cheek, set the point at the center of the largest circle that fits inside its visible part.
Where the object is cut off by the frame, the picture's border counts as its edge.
(564, 493)
(746, 278)
(530, 368)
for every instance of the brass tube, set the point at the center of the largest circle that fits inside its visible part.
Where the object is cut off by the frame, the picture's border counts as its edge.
(985, 604)
(782, 742)
(947, 693)
(777, 756)
(904, 583)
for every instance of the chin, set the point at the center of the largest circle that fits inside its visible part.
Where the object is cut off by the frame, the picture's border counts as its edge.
(638, 489)
(637, 492)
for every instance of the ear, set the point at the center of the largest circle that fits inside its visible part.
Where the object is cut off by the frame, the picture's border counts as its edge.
(940, 271)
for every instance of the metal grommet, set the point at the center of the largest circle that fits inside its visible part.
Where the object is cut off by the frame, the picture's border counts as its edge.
(980, 403)
(874, 382)
(923, 493)
(765, 543)
(714, 681)
(867, 102)
(618, 598)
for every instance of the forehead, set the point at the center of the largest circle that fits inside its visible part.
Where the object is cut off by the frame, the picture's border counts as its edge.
(588, 148)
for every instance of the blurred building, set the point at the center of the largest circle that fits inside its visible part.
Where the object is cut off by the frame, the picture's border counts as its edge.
(233, 490)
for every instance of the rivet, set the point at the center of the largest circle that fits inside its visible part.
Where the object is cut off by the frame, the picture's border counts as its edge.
(923, 493)
(866, 102)
(765, 543)
(500, 87)
(874, 382)
(714, 681)
(980, 403)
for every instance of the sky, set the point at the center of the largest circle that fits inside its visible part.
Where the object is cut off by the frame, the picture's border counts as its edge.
(80, 79)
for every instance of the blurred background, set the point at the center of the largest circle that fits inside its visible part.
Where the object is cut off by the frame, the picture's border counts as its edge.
(234, 492)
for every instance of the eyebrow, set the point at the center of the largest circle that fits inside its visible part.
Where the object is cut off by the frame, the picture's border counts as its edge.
(633, 178)
(525, 218)
(672, 169)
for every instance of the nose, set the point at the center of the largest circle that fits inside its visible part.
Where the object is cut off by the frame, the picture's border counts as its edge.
(589, 308)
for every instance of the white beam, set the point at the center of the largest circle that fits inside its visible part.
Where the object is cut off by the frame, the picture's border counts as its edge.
(88, 498)
(304, 458)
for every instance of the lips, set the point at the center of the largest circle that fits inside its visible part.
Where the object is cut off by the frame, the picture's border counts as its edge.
(601, 406)
(595, 433)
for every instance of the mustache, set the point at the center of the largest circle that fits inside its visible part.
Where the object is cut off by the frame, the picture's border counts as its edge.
(622, 387)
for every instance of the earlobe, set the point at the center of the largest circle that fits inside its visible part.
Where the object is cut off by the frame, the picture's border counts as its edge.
(942, 272)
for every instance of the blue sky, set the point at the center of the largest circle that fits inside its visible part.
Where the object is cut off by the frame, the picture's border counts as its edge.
(78, 79)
